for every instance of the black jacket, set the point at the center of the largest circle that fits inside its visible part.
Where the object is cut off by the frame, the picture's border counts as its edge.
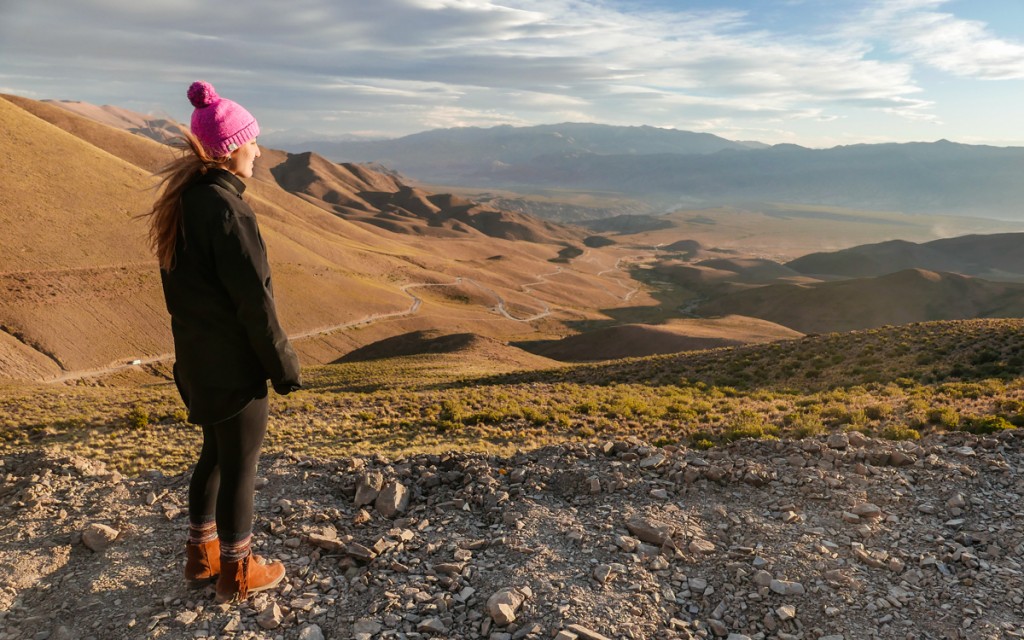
(220, 297)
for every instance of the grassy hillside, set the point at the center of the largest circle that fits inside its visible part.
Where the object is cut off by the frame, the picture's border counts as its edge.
(629, 340)
(892, 382)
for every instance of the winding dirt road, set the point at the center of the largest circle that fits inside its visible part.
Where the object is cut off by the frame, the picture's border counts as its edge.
(500, 308)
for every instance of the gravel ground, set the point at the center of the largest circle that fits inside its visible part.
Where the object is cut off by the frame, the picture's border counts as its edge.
(833, 538)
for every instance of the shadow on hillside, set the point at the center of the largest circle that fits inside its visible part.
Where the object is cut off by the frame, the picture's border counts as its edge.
(671, 302)
(925, 353)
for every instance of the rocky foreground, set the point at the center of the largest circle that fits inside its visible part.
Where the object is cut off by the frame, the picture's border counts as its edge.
(838, 538)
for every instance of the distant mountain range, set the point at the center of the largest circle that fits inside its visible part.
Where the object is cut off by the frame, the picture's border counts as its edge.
(446, 154)
(667, 167)
(700, 169)
(939, 177)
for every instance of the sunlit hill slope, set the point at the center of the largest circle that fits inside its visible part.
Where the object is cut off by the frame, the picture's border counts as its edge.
(79, 290)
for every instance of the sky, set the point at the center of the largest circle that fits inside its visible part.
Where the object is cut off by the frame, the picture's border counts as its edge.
(818, 73)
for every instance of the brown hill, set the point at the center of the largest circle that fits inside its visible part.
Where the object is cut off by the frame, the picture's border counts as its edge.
(751, 269)
(152, 127)
(687, 247)
(135, 150)
(350, 190)
(993, 256)
(360, 195)
(633, 340)
(79, 286)
(722, 276)
(908, 296)
(466, 345)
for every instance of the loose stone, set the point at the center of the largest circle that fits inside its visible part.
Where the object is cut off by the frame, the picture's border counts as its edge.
(271, 617)
(503, 605)
(99, 536)
(786, 588)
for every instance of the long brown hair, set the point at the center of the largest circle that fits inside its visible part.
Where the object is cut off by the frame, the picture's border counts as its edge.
(165, 216)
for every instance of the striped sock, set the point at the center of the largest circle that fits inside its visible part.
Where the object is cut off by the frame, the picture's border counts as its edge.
(200, 532)
(235, 551)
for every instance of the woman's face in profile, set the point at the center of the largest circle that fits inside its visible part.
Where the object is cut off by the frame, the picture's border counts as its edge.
(243, 158)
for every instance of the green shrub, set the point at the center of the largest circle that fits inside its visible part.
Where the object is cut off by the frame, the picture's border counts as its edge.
(749, 424)
(138, 418)
(586, 408)
(947, 417)
(986, 424)
(838, 415)
(805, 424)
(900, 432)
(1011, 405)
(878, 411)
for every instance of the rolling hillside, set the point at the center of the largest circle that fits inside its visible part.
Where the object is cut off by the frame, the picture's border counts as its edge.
(993, 256)
(80, 290)
(914, 295)
(633, 340)
(356, 193)
(155, 128)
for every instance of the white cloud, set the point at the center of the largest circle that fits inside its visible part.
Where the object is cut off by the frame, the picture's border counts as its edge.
(413, 64)
(966, 48)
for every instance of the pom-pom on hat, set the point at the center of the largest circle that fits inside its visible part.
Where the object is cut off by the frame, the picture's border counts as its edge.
(220, 124)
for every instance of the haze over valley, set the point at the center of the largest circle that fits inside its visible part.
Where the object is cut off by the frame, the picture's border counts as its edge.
(663, 167)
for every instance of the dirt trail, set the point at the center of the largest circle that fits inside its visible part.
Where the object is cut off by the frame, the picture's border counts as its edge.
(414, 307)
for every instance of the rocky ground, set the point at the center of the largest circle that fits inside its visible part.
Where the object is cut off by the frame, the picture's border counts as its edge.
(833, 538)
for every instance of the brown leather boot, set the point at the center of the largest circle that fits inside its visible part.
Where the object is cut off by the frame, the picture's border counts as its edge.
(202, 563)
(239, 578)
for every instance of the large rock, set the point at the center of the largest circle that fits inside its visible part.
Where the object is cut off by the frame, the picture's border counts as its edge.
(365, 626)
(368, 487)
(786, 588)
(431, 625)
(392, 500)
(838, 441)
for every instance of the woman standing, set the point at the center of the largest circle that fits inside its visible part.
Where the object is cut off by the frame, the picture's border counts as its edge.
(227, 338)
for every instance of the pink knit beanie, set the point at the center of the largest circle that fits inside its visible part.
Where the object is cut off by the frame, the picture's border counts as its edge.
(220, 124)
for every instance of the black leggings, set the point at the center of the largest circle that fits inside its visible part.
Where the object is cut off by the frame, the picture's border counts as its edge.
(224, 479)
